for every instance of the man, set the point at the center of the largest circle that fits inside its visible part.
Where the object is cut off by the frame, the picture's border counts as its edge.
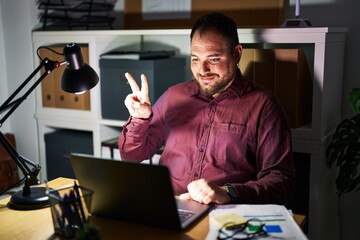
(226, 139)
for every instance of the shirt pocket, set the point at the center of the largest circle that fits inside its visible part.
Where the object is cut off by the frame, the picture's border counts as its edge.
(235, 134)
(234, 145)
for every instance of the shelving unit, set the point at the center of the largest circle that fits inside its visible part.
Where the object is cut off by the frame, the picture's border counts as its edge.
(75, 14)
(324, 49)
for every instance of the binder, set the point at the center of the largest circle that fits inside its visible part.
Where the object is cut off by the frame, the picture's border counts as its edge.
(48, 84)
(247, 63)
(264, 68)
(293, 85)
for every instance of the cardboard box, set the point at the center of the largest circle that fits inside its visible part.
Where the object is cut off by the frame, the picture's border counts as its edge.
(246, 13)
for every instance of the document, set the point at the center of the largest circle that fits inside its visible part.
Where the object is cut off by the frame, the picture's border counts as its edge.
(277, 219)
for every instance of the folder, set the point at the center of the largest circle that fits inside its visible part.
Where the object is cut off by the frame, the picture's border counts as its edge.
(246, 64)
(264, 68)
(293, 85)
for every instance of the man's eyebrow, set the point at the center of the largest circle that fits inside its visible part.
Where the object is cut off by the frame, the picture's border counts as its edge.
(214, 55)
(208, 56)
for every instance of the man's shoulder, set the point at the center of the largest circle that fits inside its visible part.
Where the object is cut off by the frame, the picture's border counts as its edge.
(248, 88)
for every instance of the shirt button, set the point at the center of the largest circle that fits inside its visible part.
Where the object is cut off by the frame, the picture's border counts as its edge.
(196, 175)
(201, 150)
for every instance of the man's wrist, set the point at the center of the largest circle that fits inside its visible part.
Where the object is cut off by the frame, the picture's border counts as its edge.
(144, 119)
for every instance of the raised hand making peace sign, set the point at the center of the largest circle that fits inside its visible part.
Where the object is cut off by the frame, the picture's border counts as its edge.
(138, 102)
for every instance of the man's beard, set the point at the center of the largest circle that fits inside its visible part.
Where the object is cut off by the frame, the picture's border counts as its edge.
(211, 89)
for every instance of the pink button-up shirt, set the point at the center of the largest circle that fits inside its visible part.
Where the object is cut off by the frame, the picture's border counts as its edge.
(242, 138)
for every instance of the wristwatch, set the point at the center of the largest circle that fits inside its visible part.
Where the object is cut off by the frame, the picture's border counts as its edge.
(232, 193)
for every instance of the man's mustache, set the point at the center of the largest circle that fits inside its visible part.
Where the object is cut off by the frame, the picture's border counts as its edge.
(208, 75)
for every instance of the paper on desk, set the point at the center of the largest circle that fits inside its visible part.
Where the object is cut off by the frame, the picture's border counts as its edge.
(278, 221)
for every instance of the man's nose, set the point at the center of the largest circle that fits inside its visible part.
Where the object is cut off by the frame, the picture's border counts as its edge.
(204, 67)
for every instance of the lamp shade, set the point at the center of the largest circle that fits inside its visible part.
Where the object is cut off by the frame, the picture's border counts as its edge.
(78, 76)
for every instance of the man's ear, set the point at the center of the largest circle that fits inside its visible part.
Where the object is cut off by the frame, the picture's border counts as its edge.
(237, 53)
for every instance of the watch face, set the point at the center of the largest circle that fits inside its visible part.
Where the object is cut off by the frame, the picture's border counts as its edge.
(232, 193)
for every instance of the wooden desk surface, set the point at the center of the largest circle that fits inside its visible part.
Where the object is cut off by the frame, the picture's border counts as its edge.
(37, 224)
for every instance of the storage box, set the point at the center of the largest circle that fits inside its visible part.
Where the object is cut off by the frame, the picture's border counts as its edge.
(161, 74)
(246, 14)
(59, 145)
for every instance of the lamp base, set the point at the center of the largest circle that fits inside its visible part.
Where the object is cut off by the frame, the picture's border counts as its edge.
(35, 200)
(296, 22)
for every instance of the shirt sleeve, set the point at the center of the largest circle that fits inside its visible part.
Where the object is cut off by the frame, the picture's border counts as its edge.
(132, 140)
(141, 138)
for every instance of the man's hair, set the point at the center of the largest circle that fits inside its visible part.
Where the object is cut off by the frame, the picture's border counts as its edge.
(217, 23)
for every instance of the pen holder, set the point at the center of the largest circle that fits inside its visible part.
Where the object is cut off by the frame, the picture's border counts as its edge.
(70, 209)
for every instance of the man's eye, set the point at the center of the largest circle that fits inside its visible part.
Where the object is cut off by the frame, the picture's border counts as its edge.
(194, 60)
(214, 60)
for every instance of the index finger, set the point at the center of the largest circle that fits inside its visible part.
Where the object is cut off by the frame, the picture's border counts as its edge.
(132, 82)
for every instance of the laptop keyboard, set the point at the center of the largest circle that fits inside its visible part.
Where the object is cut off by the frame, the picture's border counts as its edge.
(185, 215)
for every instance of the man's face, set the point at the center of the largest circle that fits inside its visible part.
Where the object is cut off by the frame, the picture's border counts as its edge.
(212, 64)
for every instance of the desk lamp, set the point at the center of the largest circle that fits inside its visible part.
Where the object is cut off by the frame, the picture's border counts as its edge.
(297, 21)
(78, 77)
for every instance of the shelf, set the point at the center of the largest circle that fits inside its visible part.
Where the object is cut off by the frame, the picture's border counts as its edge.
(324, 50)
(316, 42)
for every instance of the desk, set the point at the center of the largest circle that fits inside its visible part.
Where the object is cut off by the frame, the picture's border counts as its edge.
(37, 224)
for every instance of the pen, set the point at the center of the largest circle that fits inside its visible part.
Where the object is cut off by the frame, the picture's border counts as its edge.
(68, 229)
(73, 202)
(67, 210)
(78, 198)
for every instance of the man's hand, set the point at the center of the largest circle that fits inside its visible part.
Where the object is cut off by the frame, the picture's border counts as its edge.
(138, 102)
(205, 192)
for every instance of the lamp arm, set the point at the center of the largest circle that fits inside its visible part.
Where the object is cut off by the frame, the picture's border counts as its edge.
(11, 105)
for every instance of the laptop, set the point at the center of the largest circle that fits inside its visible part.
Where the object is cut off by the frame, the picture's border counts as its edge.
(135, 192)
